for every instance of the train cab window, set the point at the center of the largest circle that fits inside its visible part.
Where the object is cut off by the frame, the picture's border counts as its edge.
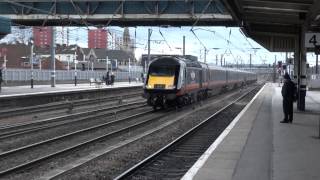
(162, 70)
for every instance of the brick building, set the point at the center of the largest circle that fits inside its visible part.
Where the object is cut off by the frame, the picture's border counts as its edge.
(42, 36)
(97, 38)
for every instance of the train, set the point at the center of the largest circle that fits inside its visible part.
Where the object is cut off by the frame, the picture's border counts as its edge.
(178, 81)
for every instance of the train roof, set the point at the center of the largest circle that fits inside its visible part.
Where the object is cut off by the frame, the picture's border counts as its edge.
(195, 63)
(228, 69)
(188, 62)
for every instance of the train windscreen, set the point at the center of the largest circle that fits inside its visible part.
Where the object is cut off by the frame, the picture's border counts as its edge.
(162, 70)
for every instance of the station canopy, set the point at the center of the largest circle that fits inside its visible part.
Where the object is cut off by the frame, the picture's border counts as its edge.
(5, 26)
(275, 24)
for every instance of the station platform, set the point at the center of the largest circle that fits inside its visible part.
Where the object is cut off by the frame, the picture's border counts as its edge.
(256, 146)
(13, 91)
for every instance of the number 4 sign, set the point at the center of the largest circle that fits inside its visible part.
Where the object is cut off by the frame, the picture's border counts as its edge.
(312, 39)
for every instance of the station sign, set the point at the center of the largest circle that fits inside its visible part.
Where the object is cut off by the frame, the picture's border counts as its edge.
(312, 39)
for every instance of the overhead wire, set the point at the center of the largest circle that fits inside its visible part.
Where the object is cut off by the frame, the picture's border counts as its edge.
(165, 39)
(79, 13)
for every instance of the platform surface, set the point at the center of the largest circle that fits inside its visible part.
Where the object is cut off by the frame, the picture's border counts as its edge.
(259, 147)
(42, 89)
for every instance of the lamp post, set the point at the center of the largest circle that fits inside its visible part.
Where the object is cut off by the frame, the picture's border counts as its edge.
(254, 49)
(216, 55)
(31, 63)
(107, 68)
(206, 51)
(53, 59)
(75, 69)
(68, 62)
(40, 65)
(148, 59)
(205, 54)
(184, 46)
(129, 71)
(5, 67)
(92, 66)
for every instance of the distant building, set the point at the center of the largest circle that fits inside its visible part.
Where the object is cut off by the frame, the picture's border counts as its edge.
(97, 38)
(16, 55)
(42, 36)
(127, 44)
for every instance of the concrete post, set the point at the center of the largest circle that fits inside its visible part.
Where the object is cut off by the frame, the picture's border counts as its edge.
(5, 69)
(184, 46)
(75, 68)
(205, 55)
(275, 69)
(31, 64)
(217, 59)
(250, 61)
(129, 75)
(53, 59)
(302, 78)
(317, 70)
(148, 60)
(107, 65)
(68, 62)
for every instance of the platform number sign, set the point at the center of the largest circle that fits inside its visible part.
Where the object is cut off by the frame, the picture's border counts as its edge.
(312, 39)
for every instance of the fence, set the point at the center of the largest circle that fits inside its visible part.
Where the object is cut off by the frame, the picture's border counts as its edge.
(314, 81)
(63, 75)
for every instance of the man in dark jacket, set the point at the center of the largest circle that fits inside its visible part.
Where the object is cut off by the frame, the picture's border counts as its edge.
(112, 78)
(288, 94)
(107, 78)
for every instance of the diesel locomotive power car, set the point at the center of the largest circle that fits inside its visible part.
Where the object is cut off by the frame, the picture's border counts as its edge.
(178, 81)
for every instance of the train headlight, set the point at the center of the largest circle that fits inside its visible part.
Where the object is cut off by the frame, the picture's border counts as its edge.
(148, 86)
(171, 87)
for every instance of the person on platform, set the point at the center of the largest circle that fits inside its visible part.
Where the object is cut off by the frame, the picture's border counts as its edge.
(112, 78)
(288, 93)
(107, 78)
(142, 77)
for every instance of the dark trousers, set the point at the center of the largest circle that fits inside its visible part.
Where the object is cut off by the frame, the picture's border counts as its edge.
(288, 110)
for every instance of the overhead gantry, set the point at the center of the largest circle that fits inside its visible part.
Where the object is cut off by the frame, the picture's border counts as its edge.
(5, 26)
(116, 12)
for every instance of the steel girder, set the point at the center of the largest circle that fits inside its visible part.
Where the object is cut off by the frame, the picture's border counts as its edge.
(115, 12)
(5, 26)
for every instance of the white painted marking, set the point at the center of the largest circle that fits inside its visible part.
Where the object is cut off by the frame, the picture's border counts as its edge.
(72, 89)
(196, 167)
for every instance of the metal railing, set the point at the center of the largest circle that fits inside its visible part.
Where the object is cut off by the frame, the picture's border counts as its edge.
(44, 75)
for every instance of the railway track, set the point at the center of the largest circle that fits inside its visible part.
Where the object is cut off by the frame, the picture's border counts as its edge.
(111, 155)
(174, 160)
(30, 161)
(20, 153)
(24, 128)
(63, 105)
